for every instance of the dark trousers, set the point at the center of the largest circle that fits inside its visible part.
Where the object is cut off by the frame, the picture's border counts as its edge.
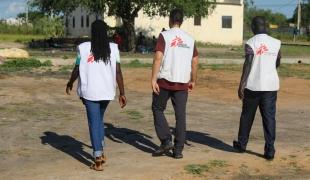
(266, 101)
(179, 100)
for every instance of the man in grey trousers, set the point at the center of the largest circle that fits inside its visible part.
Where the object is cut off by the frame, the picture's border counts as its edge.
(173, 75)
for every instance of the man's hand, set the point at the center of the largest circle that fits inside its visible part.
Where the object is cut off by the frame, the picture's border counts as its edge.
(191, 86)
(122, 101)
(155, 87)
(69, 88)
(241, 93)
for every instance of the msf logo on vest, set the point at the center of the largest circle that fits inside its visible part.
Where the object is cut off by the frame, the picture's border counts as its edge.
(178, 42)
(263, 49)
(90, 59)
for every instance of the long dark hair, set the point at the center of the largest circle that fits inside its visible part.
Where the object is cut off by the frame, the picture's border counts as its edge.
(100, 47)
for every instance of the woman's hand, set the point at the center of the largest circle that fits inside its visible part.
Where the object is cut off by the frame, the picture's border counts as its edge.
(69, 88)
(122, 101)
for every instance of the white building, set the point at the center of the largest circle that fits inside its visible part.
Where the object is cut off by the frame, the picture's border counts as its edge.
(223, 26)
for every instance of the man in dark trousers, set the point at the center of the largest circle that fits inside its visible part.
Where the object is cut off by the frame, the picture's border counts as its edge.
(173, 75)
(258, 86)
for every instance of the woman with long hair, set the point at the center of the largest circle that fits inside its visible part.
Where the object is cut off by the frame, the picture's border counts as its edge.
(98, 69)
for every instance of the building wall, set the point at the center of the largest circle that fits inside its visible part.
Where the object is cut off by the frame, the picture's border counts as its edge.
(210, 30)
(78, 30)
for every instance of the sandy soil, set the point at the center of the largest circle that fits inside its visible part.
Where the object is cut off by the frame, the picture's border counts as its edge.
(44, 134)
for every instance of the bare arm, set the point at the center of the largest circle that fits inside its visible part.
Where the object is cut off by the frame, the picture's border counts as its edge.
(74, 75)
(155, 70)
(192, 82)
(245, 74)
(119, 79)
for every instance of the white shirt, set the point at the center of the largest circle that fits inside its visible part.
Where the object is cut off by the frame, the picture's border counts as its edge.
(264, 75)
(97, 80)
(178, 55)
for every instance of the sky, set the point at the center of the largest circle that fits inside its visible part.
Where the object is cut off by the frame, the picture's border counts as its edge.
(10, 8)
(286, 7)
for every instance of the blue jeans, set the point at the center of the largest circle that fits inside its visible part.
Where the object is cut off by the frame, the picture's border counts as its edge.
(95, 113)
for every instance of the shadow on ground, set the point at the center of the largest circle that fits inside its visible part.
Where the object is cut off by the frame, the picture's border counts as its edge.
(205, 139)
(134, 138)
(68, 145)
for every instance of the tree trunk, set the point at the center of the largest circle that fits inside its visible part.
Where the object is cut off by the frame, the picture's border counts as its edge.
(129, 34)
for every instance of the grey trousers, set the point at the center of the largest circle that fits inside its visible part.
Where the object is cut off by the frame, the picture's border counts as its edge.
(179, 100)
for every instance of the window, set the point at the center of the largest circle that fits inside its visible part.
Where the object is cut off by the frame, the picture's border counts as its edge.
(82, 21)
(73, 22)
(87, 21)
(227, 22)
(197, 21)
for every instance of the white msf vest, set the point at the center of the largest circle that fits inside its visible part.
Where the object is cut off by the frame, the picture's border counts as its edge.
(264, 75)
(97, 80)
(177, 60)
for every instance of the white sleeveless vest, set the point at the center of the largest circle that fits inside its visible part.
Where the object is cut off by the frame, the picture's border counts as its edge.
(97, 80)
(177, 60)
(264, 75)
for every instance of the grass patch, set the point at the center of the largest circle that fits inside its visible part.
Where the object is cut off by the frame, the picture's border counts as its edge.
(295, 70)
(136, 64)
(66, 68)
(285, 70)
(199, 169)
(295, 51)
(65, 57)
(134, 115)
(22, 38)
(14, 65)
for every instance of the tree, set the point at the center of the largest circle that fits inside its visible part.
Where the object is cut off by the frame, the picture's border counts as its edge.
(127, 10)
(32, 16)
(271, 17)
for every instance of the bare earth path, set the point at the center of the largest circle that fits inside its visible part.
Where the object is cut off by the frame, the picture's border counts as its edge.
(44, 134)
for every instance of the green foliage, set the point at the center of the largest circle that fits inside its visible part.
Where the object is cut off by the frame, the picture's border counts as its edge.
(66, 69)
(47, 26)
(23, 64)
(17, 29)
(285, 70)
(50, 26)
(199, 169)
(271, 17)
(21, 38)
(127, 10)
(54, 7)
(134, 115)
(196, 169)
(33, 16)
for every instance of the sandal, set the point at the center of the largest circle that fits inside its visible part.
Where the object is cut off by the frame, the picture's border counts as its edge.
(97, 166)
(103, 159)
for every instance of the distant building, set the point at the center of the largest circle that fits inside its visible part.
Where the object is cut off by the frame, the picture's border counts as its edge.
(14, 21)
(223, 26)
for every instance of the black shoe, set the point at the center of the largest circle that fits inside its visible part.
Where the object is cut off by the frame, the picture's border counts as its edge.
(163, 149)
(268, 157)
(238, 147)
(177, 154)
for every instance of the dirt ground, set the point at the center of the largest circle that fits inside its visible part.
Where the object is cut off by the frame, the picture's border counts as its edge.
(44, 133)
